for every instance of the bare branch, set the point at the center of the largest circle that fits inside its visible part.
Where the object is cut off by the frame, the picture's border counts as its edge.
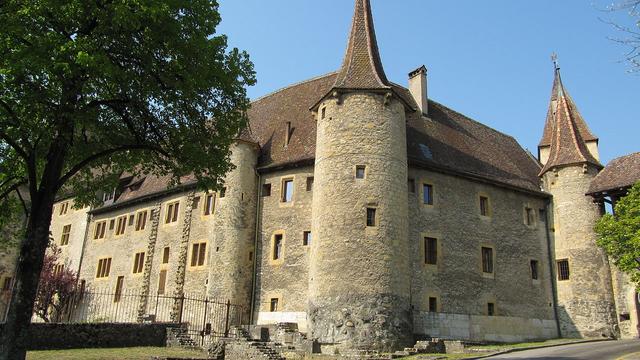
(11, 188)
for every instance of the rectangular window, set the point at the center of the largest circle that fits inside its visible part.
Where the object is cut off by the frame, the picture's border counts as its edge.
(487, 260)
(287, 190)
(131, 219)
(484, 206)
(112, 224)
(119, 285)
(306, 238)
(58, 269)
(64, 239)
(266, 190)
(360, 171)
(138, 263)
(529, 216)
(491, 309)
(433, 304)
(534, 269)
(198, 252)
(563, 269)
(371, 217)
(427, 194)
(277, 247)
(209, 204)
(430, 251)
(273, 306)
(223, 192)
(165, 255)
(411, 186)
(542, 215)
(323, 113)
(310, 183)
(172, 212)
(122, 225)
(64, 208)
(141, 221)
(104, 267)
(162, 282)
(99, 232)
(6, 285)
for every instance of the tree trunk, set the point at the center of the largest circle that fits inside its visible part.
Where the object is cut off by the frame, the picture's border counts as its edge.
(32, 250)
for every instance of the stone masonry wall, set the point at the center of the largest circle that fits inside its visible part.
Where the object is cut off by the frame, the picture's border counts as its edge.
(359, 277)
(77, 218)
(586, 304)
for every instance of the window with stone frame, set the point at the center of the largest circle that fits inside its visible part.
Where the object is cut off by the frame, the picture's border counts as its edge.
(371, 217)
(266, 190)
(411, 185)
(430, 251)
(162, 282)
(117, 296)
(138, 263)
(310, 180)
(100, 229)
(306, 238)
(361, 171)
(287, 191)
(534, 269)
(276, 251)
(165, 255)
(529, 216)
(427, 194)
(104, 267)
(132, 219)
(141, 220)
(433, 304)
(64, 208)
(563, 269)
(198, 254)
(121, 225)
(223, 192)
(487, 260)
(485, 209)
(171, 214)
(273, 305)
(66, 231)
(209, 204)
(491, 309)
(58, 269)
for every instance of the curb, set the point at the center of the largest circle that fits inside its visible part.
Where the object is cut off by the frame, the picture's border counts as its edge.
(537, 347)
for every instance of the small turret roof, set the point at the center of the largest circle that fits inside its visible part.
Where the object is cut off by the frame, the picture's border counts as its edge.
(362, 67)
(568, 146)
(581, 125)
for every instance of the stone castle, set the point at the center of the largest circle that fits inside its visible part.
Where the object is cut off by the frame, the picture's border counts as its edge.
(371, 215)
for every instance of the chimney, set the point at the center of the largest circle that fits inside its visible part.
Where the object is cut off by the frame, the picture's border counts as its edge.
(418, 88)
(287, 135)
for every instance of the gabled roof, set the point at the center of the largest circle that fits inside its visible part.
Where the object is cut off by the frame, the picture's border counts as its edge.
(620, 173)
(362, 67)
(581, 125)
(568, 146)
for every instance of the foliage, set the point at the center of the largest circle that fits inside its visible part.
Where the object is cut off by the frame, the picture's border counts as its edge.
(56, 288)
(619, 234)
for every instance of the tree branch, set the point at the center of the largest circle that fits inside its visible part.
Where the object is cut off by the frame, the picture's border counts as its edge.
(13, 187)
(23, 154)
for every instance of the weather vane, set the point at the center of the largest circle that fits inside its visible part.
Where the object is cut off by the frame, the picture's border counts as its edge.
(554, 58)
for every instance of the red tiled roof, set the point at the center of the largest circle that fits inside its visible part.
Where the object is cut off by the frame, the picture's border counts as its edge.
(568, 147)
(581, 125)
(362, 67)
(620, 173)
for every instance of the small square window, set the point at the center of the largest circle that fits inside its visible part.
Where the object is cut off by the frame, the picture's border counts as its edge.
(273, 306)
(287, 190)
(427, 194)
(484, 206)
(306, 238)
(310, 183)
(266, 190)
(371, 217)
(563, 269)
(411, 185)
(534, 269)
(491, 309)
(360, 171)
(433, 304)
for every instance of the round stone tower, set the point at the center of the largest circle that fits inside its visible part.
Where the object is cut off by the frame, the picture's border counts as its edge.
(359, 278)
(586, 306)
(232, 251)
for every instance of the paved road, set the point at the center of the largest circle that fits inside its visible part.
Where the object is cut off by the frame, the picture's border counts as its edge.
(603, 350)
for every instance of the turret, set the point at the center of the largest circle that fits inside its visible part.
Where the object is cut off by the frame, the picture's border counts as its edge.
(583, 279)
(359, 278)
(232, 252)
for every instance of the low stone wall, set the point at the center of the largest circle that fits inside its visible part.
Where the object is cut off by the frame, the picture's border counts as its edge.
(483, 328)
(104, 335)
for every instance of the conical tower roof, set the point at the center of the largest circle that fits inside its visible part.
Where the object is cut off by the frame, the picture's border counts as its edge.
(362, 67)
(581, 125)
(568, 146)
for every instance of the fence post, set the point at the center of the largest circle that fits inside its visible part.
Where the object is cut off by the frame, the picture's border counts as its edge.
(181, 308)
(204, 319)
(157, 299)
(226, 321)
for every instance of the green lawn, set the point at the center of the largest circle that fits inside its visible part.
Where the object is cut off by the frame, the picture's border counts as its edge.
(138, 353)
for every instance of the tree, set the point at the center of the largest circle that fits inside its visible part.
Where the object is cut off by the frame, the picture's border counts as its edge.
(619, 234)
(631, 32)
(56, 286)
(91, 89)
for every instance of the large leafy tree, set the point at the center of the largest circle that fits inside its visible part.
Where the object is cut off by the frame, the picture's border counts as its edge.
(92, 88)
(619, 234)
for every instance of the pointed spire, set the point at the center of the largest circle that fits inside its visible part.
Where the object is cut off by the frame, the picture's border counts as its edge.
(558, 88)
(362, 67)
(568, 144)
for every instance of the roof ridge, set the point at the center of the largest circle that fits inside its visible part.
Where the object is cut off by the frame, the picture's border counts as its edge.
(294, 85)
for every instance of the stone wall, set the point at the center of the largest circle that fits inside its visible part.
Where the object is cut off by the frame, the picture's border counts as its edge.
(359, 275)
(77, 218)
(586, 303)
(457, 281)
(78, 336)
(507, 329)
(287, 279)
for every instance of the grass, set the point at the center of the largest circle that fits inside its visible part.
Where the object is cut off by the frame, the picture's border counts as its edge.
(137, 353)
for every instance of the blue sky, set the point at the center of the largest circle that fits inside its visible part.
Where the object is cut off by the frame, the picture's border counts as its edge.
(489, 60)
